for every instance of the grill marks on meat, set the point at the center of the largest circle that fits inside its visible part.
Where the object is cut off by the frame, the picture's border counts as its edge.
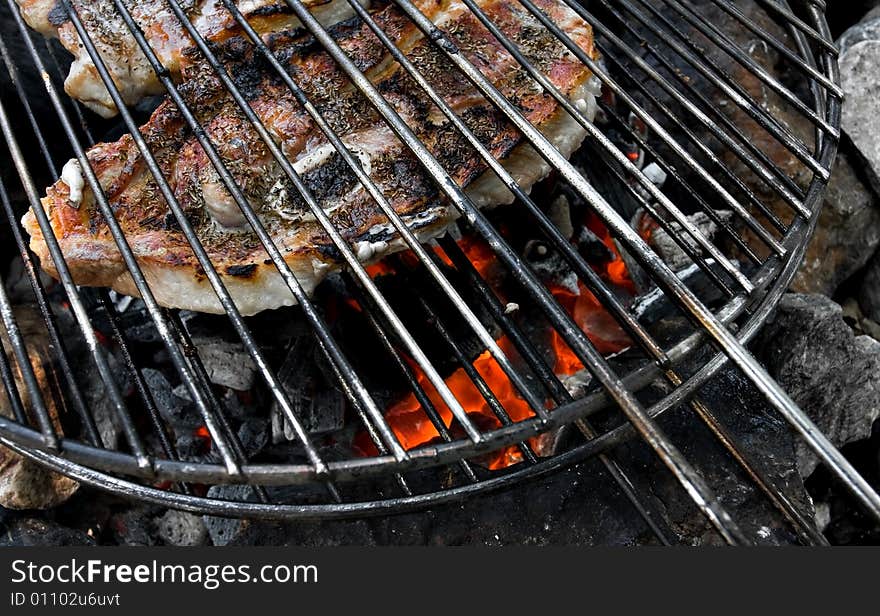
(127, 64)
(163, 252)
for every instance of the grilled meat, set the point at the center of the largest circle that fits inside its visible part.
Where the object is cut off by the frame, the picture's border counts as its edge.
(162, 250)
(119, 50)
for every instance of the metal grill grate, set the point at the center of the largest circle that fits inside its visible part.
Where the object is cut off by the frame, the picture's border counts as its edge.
(641, 49)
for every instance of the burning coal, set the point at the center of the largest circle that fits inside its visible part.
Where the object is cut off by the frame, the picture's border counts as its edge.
(412, 425)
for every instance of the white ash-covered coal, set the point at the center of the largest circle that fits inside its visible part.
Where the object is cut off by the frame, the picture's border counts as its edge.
(24, 484)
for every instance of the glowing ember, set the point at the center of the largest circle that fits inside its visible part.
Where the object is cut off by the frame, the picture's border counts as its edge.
(646, 227)
(594, 320)
(204, 438)
(413, 427)
(615, 271)
(478, 252)
(379, 269)
(590, 315)
(409, 421)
